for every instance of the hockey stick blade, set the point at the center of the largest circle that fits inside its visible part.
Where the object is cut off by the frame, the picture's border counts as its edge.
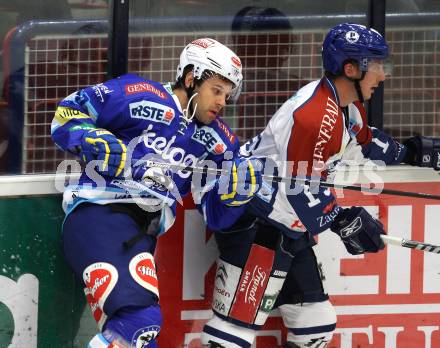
(406, 243)
(361, 188)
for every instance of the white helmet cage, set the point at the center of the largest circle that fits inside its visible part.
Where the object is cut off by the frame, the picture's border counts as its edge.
(209, 54)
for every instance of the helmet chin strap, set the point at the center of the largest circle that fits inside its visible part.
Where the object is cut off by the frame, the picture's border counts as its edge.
(190, 94)
(190, 109)
(186, 119)
(357, 86)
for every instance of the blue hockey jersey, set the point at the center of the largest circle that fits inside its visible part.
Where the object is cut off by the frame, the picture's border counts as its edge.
(148, 118)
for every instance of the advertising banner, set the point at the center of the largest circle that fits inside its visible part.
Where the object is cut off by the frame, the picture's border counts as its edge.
(40, 301)
(386, 300)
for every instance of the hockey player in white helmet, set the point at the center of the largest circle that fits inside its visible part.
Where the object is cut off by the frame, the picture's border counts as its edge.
(121, 205)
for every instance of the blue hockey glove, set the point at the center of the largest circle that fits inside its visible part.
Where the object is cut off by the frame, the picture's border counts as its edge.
(99, 144)
(423, 152)
(359, 231)
(242, 183)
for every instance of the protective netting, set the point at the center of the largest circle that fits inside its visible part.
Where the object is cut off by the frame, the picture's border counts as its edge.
(275, 64)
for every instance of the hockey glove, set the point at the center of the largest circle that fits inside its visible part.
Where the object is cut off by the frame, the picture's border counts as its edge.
(159, 176)
(99, 144)
(242, 183)
(359, 231)
(423, 152)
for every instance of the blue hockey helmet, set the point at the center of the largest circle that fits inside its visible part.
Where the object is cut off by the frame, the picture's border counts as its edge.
(352, 41)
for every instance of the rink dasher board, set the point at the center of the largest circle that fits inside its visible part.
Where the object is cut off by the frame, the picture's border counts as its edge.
(49, 184)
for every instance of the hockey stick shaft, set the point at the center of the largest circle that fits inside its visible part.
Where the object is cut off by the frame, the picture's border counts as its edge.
(218, 172)
(406, 243)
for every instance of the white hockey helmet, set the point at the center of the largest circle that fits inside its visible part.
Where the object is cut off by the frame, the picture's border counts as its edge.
(209, 54)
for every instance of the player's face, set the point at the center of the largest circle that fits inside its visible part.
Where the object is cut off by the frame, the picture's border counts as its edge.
(211, 98)
(374, 75)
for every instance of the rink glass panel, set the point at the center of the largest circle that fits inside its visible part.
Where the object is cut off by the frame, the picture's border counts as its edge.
(276, 64)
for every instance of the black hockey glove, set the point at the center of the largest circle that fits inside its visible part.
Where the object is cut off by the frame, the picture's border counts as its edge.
(359, 231)
(423, 152)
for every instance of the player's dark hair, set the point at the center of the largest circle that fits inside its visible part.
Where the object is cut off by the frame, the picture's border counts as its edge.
(180, 83)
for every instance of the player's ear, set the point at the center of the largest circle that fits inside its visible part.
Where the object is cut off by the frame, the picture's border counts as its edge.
(351, 70)
(189, 79)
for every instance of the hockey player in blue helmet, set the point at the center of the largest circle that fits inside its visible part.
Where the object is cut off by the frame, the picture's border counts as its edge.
(355, 43)
(350, 43)
(266, 257)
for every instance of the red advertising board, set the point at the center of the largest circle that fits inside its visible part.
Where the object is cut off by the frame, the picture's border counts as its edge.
(386, 300)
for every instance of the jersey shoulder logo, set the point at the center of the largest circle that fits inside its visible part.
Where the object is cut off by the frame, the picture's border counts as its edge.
(142, 87)
(210, 139)
(226, 130)
(101, 90)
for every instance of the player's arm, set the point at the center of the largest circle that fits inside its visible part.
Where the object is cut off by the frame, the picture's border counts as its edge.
(74, 129)
(417, 151)
(70, 123)
(318, 211)
(378, 145)
(369, 143)
(224, 199)
(82, 111)
(383, 147)
(219, 216)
